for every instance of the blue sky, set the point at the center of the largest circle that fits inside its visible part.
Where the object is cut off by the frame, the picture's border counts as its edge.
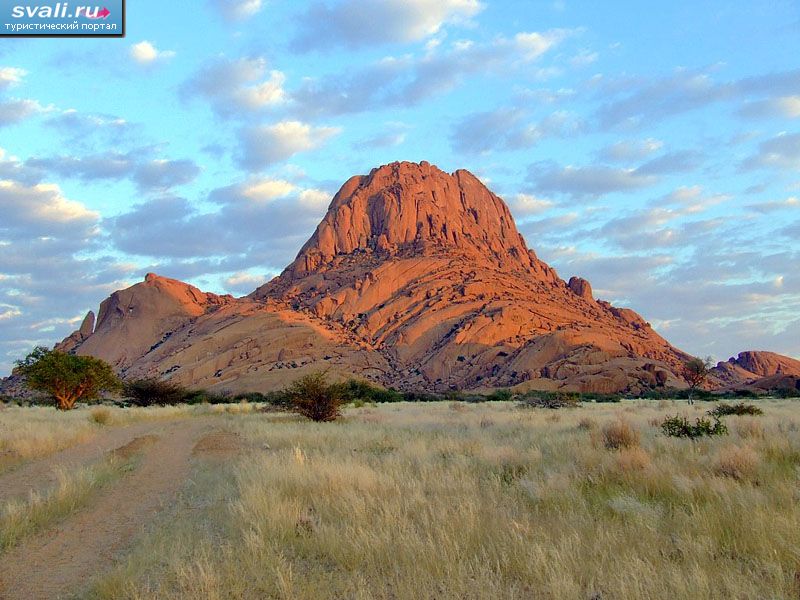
(652, 149)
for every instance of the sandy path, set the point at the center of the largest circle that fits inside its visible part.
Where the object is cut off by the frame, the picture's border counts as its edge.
(61, 561)
(41, 474)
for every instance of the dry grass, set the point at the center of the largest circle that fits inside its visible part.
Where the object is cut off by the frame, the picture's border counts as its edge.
(101, 416)
(24, 517)
(738, 462)
(33, 432)
(620, 433)
(422, 501)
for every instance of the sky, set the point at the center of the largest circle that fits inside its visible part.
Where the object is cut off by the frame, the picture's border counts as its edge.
(651, 148)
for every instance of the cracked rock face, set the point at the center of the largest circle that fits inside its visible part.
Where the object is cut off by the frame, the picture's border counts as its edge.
(414, 278)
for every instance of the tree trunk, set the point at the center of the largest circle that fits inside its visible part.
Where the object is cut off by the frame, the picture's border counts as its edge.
(63, 401)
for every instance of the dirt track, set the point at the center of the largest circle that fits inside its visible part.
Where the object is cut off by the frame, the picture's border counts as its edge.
(40, 474)
(59, 562)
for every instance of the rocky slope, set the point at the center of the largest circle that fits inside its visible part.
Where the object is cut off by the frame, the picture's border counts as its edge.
(414, 278)
(759, 370)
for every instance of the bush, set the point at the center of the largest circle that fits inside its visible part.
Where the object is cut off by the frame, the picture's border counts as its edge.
(552, 400)
(501, 395)
(679, 426)
(154, 392)
(598, 397)
(722, 409)
(364, 391)
(787, 393)
(620, 434)
(314, 398)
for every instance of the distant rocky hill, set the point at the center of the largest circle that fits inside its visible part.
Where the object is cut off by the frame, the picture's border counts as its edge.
(415, 278)
(758, 370)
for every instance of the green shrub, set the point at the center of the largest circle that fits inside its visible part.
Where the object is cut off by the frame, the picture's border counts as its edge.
(251, 397)
(740, 393)
(549, 400)
(316, 399)
(154, 392)
(722, 409)
(679, 426)
(358, 389)
(421, 397)
(601, 397)
(501, 395)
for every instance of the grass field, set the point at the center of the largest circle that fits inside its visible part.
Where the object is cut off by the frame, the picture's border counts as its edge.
(468, 501)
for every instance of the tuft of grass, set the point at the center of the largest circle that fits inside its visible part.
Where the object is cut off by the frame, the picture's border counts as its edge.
(737, 462)
(749, 428)
(101, 416)
(620, 434)
(632, 459)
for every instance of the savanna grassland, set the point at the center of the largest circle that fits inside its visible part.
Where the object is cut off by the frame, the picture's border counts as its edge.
(440, 500)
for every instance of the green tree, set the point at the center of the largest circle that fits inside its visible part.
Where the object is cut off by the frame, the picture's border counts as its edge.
(316, 399)
(695, 372)
(66, 377)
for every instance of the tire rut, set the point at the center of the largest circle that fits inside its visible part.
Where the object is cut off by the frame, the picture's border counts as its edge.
(61, 561)
(40, 474)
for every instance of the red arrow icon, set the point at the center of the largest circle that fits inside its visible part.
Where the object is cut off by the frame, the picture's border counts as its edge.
(103, 14)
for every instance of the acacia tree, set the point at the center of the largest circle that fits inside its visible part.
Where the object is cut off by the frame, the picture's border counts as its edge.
(316, 399)
(695, 372)
(66, 377)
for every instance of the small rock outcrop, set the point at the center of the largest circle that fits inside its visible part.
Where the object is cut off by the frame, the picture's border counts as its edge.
(580, 287)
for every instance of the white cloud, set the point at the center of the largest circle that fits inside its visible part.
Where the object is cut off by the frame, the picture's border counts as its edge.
(265, 190)
(627, 150)
(14, 111)
(534, 44)
(781, 152)
(791, 203)
(314, 199)
(587, 181)
(265, 93)
(243, 282)
(145, 53)
(40, 207)
(268, 144)
(10, 76)
(240, 84)
(781, 107)
(527, 204)
(584, 58)
(408, 79)
(8, 312)
(356, 24)
(237, 9)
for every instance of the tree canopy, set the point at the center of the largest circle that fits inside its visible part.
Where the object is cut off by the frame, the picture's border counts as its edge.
(695, 372)
(66, 377)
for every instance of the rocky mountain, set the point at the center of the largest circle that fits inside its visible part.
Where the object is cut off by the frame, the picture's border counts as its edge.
(414, 278)
(758, 370)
